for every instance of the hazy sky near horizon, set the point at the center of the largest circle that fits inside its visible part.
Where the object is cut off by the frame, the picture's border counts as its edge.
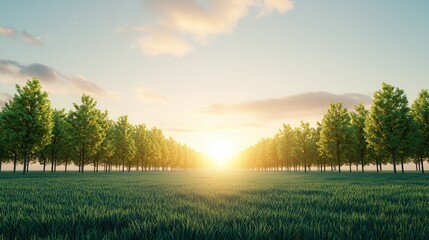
(203, 70)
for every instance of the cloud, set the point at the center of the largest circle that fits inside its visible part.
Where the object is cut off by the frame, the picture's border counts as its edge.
(7, 31)
(30, 39)
(54, 81)
(4, 97)
(159, 41)
(149, 95)
(23, 35)
(180, 24)
(306, 104)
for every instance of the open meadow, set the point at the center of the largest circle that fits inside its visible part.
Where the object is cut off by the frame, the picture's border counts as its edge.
(214, 205)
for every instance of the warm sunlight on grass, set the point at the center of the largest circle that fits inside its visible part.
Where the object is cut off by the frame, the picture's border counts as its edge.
(220, 151)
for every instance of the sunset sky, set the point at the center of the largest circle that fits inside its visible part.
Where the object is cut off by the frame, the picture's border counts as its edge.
(214, 70)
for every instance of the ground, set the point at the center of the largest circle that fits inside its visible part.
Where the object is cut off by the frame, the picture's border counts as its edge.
(214, 205)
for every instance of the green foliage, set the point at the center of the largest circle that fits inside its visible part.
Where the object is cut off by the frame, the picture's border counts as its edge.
(359, 145)
(303, 141)
(196, 205)
(286, 143)
(390, 127)
(57, 146)
(141, 140)
(420, 112)
(125, 148)
(86, 130)
(155, 147)
(106, 150)
(335, 133)
(27, 120)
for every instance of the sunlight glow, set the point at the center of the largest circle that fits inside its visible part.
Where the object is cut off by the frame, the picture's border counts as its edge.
(220, 151)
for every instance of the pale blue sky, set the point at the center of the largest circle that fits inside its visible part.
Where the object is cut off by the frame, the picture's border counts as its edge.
(238, 57)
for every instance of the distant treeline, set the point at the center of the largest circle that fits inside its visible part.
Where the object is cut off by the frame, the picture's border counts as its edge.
(389, 132)
(31, 131)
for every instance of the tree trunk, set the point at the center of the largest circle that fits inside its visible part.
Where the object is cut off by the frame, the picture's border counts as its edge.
(14, 162)
(52, 165)
(362, 163)
(65, 167)
(25, 163)
(394, 163)
(376, 163)
(416, 166)
(421, 160)
(339, 157)
(350, 163)
(123, 165)
(381, 166)
(82, 161)
(44, 164)
(402, 164)
(305, 165)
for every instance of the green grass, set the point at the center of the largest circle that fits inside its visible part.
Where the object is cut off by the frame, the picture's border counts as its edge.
(214, 205)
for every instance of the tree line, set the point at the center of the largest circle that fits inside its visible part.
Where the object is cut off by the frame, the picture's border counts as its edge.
(31, 131)
(389, 132)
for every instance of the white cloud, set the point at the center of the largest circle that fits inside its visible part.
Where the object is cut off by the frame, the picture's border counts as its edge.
(149, 95)
(305, 104)
(270, 6)
(30, 39)
(158, 41)
(180, 24)
(54, 81)
(7, 31)
(23, 35)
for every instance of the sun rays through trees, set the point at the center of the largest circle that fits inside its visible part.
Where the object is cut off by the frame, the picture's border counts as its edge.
(388, 132)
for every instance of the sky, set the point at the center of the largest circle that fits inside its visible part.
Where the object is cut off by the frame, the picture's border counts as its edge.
(210, 71)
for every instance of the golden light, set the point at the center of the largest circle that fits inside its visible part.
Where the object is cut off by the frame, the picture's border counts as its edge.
(220, 151)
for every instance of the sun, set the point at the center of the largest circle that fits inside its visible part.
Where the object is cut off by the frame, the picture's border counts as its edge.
(220, 151)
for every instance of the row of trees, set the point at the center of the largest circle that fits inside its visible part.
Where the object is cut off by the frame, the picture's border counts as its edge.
(389, 132)
(30, 131)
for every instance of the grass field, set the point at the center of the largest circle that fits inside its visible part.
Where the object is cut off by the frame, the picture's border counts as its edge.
(214, 205)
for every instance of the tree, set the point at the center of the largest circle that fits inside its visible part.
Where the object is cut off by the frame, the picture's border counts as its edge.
(156, 138)
(389, 125)
(359, 144)
(58, 138)
(27, 120)
(142, 146)
(3, 146)
(106, 149)
(420, 111)
(303, 140)
(335, 132)
(286, 143)
(86, 131)
(124, 142)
